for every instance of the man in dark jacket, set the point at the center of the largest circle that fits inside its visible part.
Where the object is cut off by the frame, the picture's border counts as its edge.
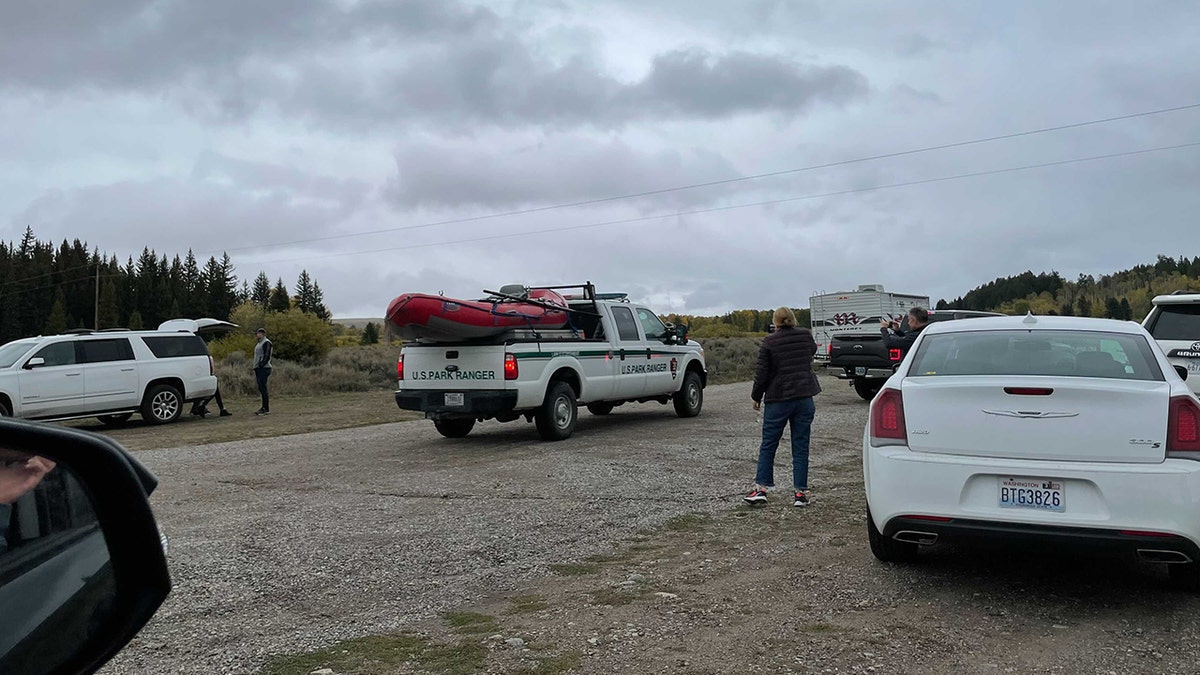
(897, 337)
(784, 380)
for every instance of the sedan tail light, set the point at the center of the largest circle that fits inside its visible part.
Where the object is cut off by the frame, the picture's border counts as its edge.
(887, 419)
(1183, 425)
(400, 368)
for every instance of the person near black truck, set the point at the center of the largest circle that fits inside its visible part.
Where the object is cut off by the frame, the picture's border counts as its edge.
(896, 336)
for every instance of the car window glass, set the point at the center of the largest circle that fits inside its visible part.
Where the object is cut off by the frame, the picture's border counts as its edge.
(12, 351)
(1177, 322)
(54, 564)
(101, 351)
(652, 326)
(58, 353)
(1063, 353)
(169, 346)
(626, 326)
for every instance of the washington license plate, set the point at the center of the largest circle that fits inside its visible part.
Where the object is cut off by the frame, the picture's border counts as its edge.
(1042, 494)
(454, 399)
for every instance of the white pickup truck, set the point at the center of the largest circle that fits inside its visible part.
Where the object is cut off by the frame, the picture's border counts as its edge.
(615, 353)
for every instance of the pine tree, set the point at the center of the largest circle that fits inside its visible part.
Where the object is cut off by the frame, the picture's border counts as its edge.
(1085, 306)
(319, 307)
(57, 321)
(370, 334)
(304, 293)
(1066, 309)
(135, 320)
(1126, 310)
(1112, 308)
(261, 293)
(280, 301)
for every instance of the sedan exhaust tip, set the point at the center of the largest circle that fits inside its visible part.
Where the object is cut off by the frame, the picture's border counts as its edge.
(915, 537)
(1155, 555)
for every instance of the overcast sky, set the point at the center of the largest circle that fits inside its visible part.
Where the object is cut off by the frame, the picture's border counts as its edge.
(341, 136)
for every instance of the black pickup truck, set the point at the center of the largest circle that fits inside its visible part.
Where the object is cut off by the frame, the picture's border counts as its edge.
(867, 364)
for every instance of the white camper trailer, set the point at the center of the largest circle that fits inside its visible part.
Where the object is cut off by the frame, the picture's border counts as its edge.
(857, 311)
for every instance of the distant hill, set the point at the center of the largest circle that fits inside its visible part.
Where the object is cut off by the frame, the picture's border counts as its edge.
(358, 323)
(1121, 295)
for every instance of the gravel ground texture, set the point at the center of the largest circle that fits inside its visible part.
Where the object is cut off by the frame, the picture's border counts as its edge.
(625, 546)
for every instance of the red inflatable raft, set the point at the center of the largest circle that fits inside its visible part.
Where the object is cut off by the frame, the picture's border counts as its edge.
(435, 317)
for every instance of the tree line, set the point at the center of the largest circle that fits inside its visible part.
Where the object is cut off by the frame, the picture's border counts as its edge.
(46, 289)
(1127, 294)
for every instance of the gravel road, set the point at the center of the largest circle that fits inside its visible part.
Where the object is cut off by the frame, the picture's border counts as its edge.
(285, 545)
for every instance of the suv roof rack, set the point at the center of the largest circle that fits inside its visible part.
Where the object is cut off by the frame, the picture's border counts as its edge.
(78, 331)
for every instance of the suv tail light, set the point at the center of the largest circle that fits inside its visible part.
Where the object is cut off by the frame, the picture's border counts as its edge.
(400, 368)
(887, 419)
(212, 367)
(1183, 425)
(510, 367)
(894, 354)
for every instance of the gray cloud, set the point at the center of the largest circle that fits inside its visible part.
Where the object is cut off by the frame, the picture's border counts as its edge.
(554, 170)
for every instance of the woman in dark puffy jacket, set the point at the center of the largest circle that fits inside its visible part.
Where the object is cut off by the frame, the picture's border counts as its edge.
(785, 382)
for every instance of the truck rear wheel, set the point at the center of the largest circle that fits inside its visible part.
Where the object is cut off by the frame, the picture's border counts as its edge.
(556, 418)
(867, 388)
(690, 397)
(454, 428)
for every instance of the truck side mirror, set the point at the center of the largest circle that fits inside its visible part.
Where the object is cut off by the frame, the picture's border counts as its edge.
(82, 563)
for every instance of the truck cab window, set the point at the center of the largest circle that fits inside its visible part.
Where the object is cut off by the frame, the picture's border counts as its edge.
(627, 329)
(652, 326)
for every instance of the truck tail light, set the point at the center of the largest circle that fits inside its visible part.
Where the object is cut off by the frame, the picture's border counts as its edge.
(894, 354)
(1183, 425)
(510, 367)
(887, 419)
(400, 368)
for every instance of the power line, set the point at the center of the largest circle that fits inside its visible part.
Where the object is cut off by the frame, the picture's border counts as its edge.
(715, 209)
(727, 181)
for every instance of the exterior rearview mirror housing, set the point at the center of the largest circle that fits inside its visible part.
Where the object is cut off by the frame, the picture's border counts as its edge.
(74, 595)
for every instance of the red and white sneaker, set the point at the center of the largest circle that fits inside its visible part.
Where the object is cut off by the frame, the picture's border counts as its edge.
(801, 500)
(756, 496)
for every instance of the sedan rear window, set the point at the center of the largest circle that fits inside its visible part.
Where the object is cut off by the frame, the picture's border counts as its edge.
(1042, 352)
(1176, 322)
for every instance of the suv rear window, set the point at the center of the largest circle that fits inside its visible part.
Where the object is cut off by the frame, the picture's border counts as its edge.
(1063, 353)
(1177, 322)
(174, 346)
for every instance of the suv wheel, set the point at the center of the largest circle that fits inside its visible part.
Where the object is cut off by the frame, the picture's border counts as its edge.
(556, 418)
(162, 404)
(4, 411)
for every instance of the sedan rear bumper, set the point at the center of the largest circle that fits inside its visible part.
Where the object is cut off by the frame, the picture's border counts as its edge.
(1107, 505)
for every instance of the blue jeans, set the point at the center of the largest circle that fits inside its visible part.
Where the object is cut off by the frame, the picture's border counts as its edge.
(261, 374)
(799, 412)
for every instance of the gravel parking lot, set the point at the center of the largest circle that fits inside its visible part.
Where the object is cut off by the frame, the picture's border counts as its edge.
(624, 546)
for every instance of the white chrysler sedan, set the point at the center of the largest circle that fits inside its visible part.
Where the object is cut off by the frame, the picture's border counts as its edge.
(1036, 432)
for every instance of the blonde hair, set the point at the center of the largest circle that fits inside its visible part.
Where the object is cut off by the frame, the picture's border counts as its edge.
(784, 317)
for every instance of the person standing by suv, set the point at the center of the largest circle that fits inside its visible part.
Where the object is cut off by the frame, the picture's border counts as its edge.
(784, 380)
(262, 368)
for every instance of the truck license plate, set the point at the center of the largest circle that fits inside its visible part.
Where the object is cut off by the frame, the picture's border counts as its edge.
(860, 370)
(1042, 494)
(454, 399)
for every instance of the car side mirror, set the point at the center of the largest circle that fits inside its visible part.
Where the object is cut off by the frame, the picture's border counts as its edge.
(35, 362)
(82, 563)
(1182, 370)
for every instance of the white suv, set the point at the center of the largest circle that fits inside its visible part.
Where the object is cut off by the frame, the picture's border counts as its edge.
(1174, 321)
(109, 374)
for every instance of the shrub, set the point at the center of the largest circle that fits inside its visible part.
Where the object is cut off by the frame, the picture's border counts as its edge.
(296, 336)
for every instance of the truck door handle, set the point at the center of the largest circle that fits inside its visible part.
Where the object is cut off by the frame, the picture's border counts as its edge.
(648, 353)
(622, 354)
